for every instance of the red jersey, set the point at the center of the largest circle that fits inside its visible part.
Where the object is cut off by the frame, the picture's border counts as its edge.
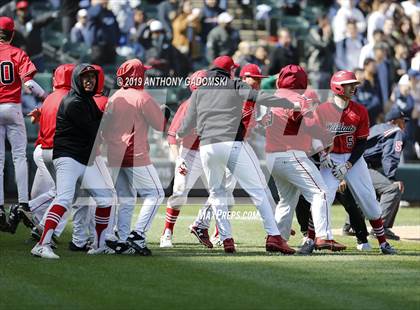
(99, 98)
(47, 122)
(15, 67)
(291, 130)
(129, 114)
(190, 141)
(345, 126)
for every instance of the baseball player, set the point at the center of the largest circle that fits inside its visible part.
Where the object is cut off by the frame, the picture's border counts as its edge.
(42, 196)
(16, 70)
(188, 169)
(78, 120)
(382, 155)
(130, 113)
(287, 146)
(349, 122)
(216, 112)
(250, 74)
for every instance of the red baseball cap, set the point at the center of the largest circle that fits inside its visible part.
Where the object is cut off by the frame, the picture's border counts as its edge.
(6, 23)
(22, 5)
(251, 70)
(225, 63)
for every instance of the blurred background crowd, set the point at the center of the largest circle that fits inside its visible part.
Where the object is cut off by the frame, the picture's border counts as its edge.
(379, 40)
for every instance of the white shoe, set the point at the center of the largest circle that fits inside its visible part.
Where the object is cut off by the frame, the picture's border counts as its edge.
(44, 251)
(364, 247)
(103, 250)
(216, 240)
(166, 239)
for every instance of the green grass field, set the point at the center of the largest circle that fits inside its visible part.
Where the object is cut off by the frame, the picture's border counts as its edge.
(192, 277)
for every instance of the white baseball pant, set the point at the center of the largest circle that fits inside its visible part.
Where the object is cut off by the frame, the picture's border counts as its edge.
(129, 182)
(359, 180)
(12, 127)
(294, 174)
(241, 160)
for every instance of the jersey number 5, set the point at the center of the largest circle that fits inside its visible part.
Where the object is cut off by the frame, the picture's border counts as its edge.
(349, 141)
(6, 73)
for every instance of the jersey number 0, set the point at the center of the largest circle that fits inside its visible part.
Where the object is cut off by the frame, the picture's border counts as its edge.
(6, 73)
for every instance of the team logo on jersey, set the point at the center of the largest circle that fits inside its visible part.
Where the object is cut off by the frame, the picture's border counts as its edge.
(340, 129)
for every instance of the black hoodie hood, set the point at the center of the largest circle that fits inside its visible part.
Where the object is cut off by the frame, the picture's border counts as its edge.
(76, 83)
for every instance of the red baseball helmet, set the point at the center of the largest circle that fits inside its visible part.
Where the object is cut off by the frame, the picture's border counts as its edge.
(341, 78)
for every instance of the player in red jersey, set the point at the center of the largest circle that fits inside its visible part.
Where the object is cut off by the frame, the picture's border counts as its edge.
(288, 143)
(348, 123)
(15, 69)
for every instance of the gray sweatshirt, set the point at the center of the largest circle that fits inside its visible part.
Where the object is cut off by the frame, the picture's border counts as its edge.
(216, 110)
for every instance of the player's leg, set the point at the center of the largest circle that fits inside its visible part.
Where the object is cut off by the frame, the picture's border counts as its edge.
(147, 183)
(356, 219)
(360, 183)
(4, 225)
(214, 158)
(303, 213)
(182, 186)
(80, 236)
(16, 134)
(390, 197)
(93, 182)
(68, 172)
(245, 166)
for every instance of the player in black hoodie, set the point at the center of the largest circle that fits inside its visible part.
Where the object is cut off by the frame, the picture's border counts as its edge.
(78, 120)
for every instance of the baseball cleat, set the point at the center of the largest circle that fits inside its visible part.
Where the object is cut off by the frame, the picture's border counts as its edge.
(44, 251)
(120, 247)
(348, 231)
(229, 245)
(389, 234)
(334, 246)
(387, 249)
(75, 248)
(138, 242)
(278, 244)
(166, 239)
(26, 215)
(36, 233)
(363, 247)
(202, 236)
(102, 250)
(4, 225)
(307, 247)
(14, 218)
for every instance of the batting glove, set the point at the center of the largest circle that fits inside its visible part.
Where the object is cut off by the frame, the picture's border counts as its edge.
(181, 166)
(325, 160)
(341, 170)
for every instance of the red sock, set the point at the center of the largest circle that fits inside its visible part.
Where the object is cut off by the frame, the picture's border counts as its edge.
(311, 229)
(216, 232)
(53, 218)
(378, 228)
(171, 217)
(101, 220)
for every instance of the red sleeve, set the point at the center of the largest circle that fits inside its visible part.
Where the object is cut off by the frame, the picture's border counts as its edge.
(176, 123)
(363, 128)
(26, 69)
(153, 115)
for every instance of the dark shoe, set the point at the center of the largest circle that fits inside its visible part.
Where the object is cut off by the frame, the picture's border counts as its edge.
(389, 234)
(387, 249)
(348, 231)
(14, 218)
(322, 244)
(26, 215)
(75, 248)
(4, 225)
(120, 247)
(202, 236)
(278, 244)
(138, 242)
(229, 245)
(307, 247)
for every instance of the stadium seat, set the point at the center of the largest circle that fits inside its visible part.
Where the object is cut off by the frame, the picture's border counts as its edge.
(31, 130)
(44, 79)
